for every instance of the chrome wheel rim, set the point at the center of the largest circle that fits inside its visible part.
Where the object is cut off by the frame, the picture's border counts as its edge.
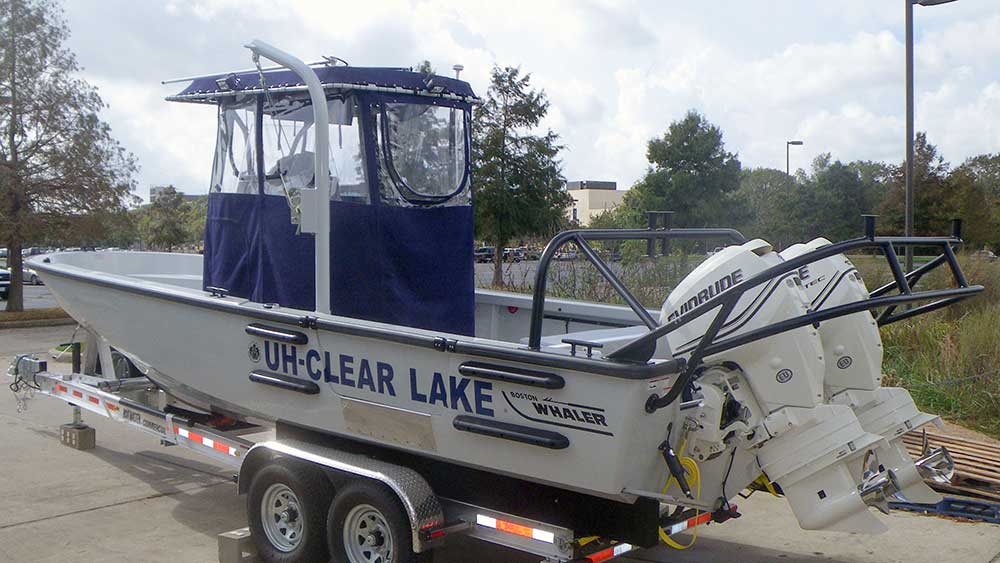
(281, 516)
(367, 538)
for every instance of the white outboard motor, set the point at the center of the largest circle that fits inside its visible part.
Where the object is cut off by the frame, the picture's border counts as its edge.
(853, 351)
(805, 445)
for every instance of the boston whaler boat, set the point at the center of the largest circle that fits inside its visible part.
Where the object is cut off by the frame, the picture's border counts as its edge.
(336, 301)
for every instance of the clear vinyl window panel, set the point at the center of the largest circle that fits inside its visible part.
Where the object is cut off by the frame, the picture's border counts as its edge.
(289, 155)
(425, 150)
(234, 168)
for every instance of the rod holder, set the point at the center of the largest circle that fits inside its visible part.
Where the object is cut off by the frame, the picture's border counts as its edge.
(956, 228)
(658, 220)
(668, 223)
(870, 226)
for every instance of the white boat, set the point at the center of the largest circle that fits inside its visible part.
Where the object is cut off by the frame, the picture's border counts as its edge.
(359, 319)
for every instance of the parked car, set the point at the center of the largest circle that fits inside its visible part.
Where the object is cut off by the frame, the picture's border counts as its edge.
(4, 284)
(485, 254)
(566, 255)
(985, 255)
(30, 277)
(513, 254)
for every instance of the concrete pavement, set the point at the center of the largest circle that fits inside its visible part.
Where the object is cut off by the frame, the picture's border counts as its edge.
(131, 499)
(36, 297)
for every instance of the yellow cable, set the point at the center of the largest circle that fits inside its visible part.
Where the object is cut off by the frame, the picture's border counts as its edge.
(763, 481)
(694, 479)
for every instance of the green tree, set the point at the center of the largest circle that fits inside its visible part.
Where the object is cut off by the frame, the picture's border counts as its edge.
(763, 204)
(977, 186)
(836, 198)
(163, 223)
(194, 220)
(934, 204)
(57, 158)
(690, 173)
(121, 229)
(985, 170)
(519, 188)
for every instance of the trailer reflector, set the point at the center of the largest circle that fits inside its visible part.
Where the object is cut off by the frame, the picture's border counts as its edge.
(610, 553)
(206, 441)
(516, 529)
(689, 523)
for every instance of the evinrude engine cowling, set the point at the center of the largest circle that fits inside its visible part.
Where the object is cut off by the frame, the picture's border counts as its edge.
(853, 350)
(786, 369)
(809, 448)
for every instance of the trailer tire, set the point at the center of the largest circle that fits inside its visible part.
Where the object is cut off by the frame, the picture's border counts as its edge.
(286, 510)
(366, 514)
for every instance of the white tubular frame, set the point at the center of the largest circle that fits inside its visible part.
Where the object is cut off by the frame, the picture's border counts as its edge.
(322, 172)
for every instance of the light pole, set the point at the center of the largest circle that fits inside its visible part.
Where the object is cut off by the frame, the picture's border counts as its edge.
(788, 168)
(908, 211)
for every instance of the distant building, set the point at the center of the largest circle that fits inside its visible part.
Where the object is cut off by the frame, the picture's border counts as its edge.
(591, 198)
(156, 191)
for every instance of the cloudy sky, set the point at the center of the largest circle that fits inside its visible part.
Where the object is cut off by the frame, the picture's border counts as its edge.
(617, 72)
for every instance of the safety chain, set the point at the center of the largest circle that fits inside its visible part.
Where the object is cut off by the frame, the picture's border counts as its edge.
(22, 389)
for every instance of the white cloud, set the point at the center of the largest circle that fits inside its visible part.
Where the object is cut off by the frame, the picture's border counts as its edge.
(617, 71)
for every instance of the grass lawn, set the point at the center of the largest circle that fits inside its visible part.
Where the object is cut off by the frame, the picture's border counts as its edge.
(34, 315)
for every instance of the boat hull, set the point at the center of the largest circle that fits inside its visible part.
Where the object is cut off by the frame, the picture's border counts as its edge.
(370, 382)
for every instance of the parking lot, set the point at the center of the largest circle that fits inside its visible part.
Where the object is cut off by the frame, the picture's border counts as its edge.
(131, 499)
(38, 297)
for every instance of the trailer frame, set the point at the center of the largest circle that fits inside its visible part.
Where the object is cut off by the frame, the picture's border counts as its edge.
(434, 518)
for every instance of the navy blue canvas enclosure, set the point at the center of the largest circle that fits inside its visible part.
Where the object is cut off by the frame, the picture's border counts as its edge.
(400, 212)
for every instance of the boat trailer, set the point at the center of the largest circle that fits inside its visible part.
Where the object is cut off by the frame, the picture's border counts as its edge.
(432, 516)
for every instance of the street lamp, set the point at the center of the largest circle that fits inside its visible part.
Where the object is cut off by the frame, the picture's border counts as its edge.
(908, 212)
(788, 168)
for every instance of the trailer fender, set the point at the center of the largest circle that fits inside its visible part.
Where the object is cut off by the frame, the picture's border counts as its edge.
(418, 499)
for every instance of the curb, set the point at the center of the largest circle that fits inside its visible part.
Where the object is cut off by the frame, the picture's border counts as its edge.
(37, 323)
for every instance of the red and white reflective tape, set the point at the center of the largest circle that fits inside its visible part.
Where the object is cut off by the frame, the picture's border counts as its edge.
(59, 388)
(610, 553)
(516, 529)
(689, 523)
(206, 441)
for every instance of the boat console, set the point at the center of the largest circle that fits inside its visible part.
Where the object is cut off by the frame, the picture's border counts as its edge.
(400, 214)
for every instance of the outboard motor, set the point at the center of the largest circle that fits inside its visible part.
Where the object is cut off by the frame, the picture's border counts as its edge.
(853, 350)
(762, 404)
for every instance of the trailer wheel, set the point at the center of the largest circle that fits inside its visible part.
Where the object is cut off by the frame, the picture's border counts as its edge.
(367, 524)
(286, 509)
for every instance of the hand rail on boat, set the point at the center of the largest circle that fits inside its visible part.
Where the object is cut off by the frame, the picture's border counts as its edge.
(580, 238)
(642, 348)
(322, 170)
